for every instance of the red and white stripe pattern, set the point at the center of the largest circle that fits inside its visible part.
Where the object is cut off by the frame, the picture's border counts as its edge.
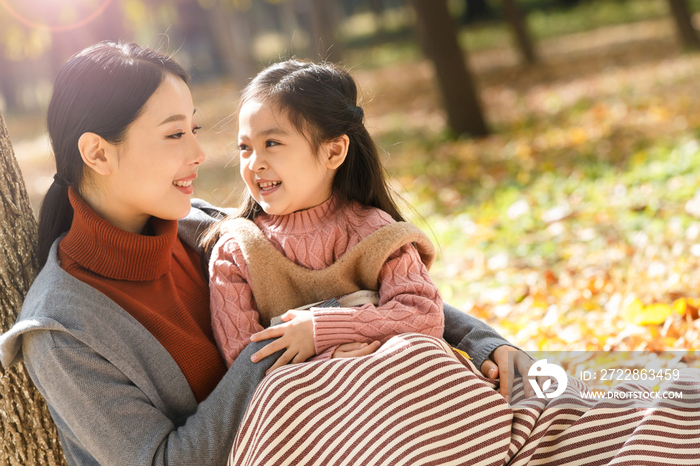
(416, 402)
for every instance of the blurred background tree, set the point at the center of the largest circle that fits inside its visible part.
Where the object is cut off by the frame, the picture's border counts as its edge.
(686, 32)
(438, 35)
(234, 38)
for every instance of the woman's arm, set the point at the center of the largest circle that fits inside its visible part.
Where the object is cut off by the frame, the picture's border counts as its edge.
(471, 335)
(493, 354)
(105, 418)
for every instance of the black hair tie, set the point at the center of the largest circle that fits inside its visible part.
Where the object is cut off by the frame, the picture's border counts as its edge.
(359, 114)
(354, 112)
(60, 181)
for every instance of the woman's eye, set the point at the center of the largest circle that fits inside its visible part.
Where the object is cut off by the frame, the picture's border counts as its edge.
(177, 135)
(195, 129)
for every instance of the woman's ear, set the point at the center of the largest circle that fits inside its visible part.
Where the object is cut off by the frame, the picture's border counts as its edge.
(97, 153)
(337, 151)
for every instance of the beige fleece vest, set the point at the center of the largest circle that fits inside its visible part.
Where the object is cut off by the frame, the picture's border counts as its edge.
(278, 284)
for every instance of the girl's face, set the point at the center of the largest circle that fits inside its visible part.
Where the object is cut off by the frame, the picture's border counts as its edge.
(278, 164)
(154, 167)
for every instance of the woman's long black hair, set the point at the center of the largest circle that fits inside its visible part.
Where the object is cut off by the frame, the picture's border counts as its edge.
(100, 90)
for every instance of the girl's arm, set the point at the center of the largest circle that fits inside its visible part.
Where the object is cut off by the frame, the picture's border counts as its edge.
(233, 311)
(409, 302)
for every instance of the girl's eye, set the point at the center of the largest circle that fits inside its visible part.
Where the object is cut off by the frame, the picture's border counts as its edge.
(271, 143)
(242, 147)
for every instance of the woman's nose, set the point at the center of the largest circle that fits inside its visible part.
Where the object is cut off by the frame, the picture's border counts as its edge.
(199, 156)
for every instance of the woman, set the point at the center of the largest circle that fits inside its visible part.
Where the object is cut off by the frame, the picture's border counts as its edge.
(115, 331)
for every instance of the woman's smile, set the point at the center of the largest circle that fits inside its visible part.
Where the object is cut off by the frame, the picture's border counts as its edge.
(184, 185)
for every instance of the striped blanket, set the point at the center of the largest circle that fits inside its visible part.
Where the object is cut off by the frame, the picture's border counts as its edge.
(417, 402)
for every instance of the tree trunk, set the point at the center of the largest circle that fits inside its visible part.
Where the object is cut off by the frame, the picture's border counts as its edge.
(377, 8)
(323, 23)
(475, 11)
(438, 35)
(28, 433)
(8, 84)
(231, 40)
(522, 37)
(686, 32)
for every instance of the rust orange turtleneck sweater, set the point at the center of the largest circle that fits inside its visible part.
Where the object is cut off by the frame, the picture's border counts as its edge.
(157, 279)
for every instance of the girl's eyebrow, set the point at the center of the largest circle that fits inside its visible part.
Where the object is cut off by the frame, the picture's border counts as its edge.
(273, 131)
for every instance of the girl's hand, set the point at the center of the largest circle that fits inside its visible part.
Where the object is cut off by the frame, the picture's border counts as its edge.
(296, 335)
(355, 350)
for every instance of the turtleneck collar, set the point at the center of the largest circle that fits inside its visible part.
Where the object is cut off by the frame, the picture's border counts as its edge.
(302, 221)
(106, 250)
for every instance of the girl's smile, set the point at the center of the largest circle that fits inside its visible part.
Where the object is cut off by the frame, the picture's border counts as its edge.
(268, 187)
(279, 166)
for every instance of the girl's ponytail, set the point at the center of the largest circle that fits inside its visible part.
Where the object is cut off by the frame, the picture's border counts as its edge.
(362, 177)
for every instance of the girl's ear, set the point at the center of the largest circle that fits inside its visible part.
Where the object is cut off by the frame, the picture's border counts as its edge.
(337, 151)
(98, 154)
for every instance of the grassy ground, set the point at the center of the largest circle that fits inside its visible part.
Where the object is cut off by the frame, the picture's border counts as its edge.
(576, 225)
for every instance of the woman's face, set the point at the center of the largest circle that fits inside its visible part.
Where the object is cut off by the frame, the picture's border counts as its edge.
(278, 165)
(153, 172)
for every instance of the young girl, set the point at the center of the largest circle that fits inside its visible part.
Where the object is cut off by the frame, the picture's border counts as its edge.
(316, 190)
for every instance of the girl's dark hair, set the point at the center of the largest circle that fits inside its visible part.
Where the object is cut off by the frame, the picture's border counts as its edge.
(101, 90)
(320, 101)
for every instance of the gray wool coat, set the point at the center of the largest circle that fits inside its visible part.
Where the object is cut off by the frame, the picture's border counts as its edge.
(118, 397)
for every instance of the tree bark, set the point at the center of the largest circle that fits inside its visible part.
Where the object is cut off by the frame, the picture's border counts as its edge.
(686, 32)
(29, 435)
(438, 35)
(522, 37)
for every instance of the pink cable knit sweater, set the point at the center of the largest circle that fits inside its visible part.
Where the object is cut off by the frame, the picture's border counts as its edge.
(316, 238)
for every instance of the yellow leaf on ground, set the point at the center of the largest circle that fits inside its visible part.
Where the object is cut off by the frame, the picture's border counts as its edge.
(690, 306)
(653, 314)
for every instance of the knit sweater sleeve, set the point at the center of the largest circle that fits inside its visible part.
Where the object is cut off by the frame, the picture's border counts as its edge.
(233, 311)
(409, 302)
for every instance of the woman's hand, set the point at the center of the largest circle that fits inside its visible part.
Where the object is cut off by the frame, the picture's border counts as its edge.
(499, 364)
(355, 350)
(296, 335)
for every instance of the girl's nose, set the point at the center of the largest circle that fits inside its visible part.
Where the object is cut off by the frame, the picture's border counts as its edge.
(257, 163)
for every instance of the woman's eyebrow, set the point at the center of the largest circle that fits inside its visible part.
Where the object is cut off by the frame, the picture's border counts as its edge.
(175, 118)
